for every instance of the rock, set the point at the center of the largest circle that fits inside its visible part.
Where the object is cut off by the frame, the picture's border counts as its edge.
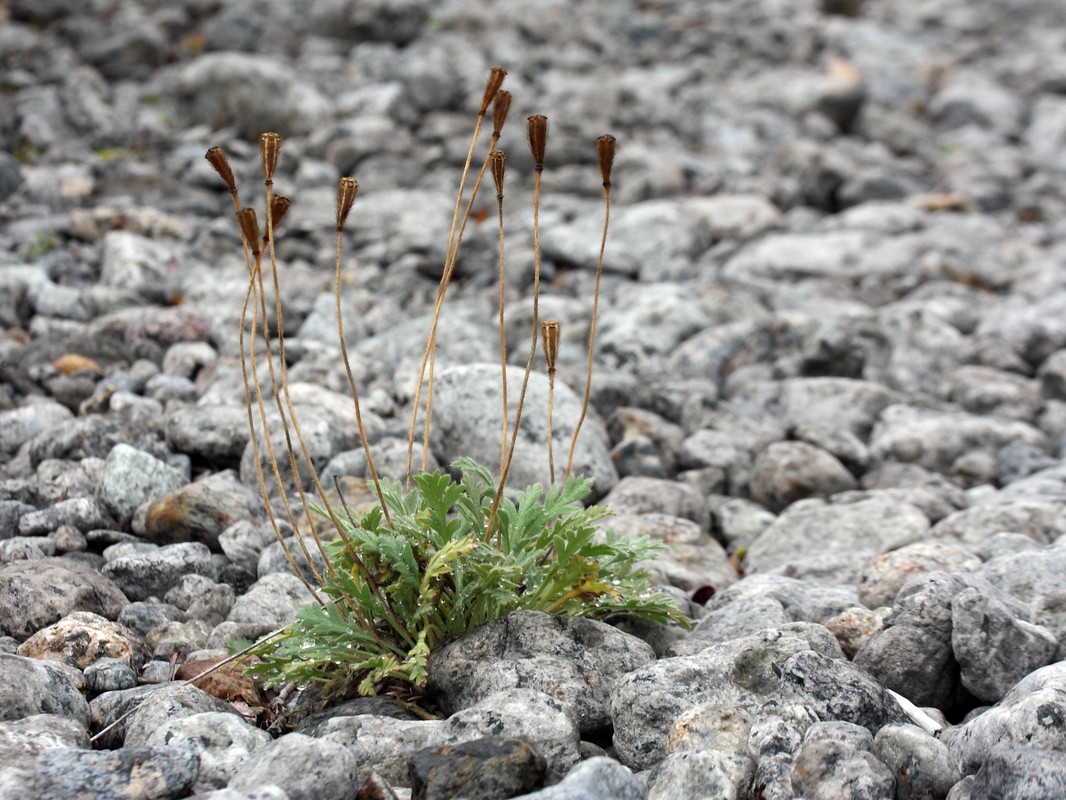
(152, 573)
(1013, 770)
(467, 422)
(854, 626)
(491, 767)
(35, 594)
(867, 527)
(1040, 520)
(788, 471)
(223, 742)
(80, 639)
(271, 602)
(592, 779)
(83, 513)
(706, 748)
(884, 575)
(137, 263)
(29, 687)
(936, 439)
(109, 675)
(68, 772)
(256, 93)
(575, 661)
(215, 433)
(995, 648)
(243, 543)
(141, 616)
(646, 703)
(133, 477)
(162, 706)
(387, 744)
(199, 512)
(833, 763)
(739, 522)
(922, 764)
(1028, 575)
(839, 690)
(697, 774)
(19, 425)
(655, 317)
(638, 495)
(22, 741)
(691, 558)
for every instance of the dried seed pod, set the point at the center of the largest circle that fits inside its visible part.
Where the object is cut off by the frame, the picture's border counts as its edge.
(249, 225)
(347, 189)
(269, 151)
(495, 81)
(549, 329)
(537, 130)
(217, 159)
(278, 207)
(605, 151)
(500, 108)
(498, 165)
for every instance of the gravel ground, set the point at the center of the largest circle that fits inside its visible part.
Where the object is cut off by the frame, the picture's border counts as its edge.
(830, 378)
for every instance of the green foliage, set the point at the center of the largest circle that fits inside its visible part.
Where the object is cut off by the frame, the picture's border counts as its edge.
(397, 593)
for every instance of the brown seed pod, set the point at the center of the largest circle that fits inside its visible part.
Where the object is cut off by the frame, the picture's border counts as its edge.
(549, 329)
(495, 81)
(278, 207)
(269, 151)
(498, 165)
(605, 151)
(347, 189)
(217, 159)
(249, 225)
(500, 108)
(537, 130)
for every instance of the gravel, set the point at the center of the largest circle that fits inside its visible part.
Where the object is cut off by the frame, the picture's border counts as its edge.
(830, 379)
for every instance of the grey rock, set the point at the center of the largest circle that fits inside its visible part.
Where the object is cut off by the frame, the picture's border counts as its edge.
(243, 543)
(272, 601)
(1038, 519)
(468, 417)
(884, 576)
(36, 594)
(593, 779)
(639, 495)
(646, 703)
(167, 703)
(488, 767)
(774, 740)
(912, 654)
(936, 439)
(132, 477)
(223, 742)
(994, 392)
(833, 766)
(109, 675)
(527, 714)
(853, 405)
(273, 559)
(152, 573)
(691, 558)
(262, 792)
(29, 686)
(19, 425)
(839, 690)
(575, 661)
(866, 527)
(994, 647)
(83, 513)
(215, 433)
(68, 772)
(186, 359)
(22, 741)
(25, 548)
(140, 616)
(1013, 770)
(137, 263)
(970, 98)
(788, 471)
(922, 764)
(255, 93)
(738, 521)
(1033, 713)
(655, 317)
(697, 774)
(199, 512)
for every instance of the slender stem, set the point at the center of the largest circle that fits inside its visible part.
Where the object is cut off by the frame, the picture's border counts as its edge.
(592, 330)
(551, 403)
(503, 335)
